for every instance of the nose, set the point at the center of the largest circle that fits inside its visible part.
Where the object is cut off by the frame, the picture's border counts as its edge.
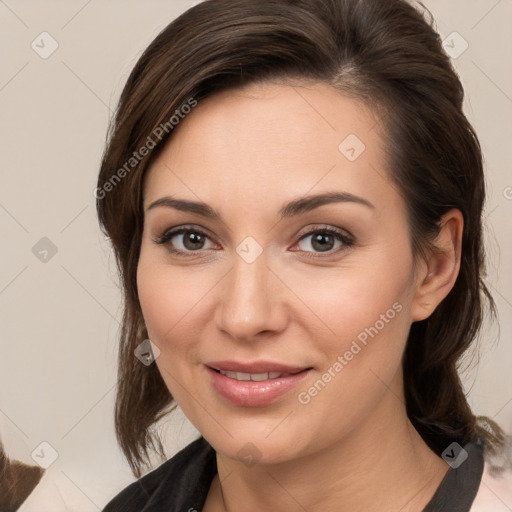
(252, 301)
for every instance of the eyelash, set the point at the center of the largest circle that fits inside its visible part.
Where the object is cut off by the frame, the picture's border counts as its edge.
(166, 236)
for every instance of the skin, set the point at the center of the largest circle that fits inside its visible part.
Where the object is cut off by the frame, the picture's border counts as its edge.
(246, 152)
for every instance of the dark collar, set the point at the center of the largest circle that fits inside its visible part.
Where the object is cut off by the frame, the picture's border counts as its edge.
(182, 483)
(459, 487)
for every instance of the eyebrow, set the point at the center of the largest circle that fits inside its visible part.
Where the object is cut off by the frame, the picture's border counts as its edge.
(293, 208)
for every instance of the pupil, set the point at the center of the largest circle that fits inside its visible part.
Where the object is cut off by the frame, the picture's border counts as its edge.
(193, 241)
(322, 242)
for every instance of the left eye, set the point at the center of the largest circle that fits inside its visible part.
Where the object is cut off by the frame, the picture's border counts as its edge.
(324, 240)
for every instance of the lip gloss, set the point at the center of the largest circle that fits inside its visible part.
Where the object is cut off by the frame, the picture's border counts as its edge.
(249, 393)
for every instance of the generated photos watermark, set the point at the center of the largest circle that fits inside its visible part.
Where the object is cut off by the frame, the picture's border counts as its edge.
(305, 397)
(156, 136)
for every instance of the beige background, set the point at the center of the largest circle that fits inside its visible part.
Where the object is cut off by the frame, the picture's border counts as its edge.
(60, 317)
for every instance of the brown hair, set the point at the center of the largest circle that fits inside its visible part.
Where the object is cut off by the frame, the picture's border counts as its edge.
(17, 481)
(381, 51)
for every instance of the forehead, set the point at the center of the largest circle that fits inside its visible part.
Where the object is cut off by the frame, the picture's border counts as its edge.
(266, 141)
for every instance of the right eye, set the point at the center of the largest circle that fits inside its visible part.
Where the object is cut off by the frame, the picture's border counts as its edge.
(184, 241)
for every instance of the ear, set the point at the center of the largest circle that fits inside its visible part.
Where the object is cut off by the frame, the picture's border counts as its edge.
(438, 272)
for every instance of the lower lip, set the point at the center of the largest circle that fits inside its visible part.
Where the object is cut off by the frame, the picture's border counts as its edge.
(250, 393)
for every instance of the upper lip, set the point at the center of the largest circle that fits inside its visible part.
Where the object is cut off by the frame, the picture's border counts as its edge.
(255, 367)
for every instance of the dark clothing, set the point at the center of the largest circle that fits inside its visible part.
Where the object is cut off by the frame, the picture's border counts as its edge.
(182, 483)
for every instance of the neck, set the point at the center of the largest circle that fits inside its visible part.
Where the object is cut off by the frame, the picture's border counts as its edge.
(382, 464)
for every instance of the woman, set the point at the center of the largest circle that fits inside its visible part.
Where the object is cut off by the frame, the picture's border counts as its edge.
(294, 197)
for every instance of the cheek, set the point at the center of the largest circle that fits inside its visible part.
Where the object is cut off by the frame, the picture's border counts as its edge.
(356, 302)
(368, 320)
(166, 297)
(159, 304)
(167, 301)
(365, 312)
(176, 305)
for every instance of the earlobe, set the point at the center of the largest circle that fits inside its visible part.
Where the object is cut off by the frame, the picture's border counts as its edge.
(440, 269)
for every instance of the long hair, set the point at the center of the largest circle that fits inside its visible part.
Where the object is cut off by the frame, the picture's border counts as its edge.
(385, 53)
(17, 481)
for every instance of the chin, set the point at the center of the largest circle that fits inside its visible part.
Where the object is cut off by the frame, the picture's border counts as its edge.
(253, 444)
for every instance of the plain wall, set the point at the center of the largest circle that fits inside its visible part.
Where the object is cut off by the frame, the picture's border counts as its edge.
(61, 316)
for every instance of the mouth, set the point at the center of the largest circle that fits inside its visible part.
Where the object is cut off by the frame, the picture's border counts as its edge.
(256, 377)
(254, 384)
(256, 368)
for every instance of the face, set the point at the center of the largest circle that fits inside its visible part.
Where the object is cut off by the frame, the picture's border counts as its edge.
(310, 299)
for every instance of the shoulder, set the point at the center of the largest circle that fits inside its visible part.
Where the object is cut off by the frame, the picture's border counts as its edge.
(172, 482)
(495, 490)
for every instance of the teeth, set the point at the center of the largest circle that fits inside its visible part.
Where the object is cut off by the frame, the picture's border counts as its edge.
(252, 376)
(258, 376)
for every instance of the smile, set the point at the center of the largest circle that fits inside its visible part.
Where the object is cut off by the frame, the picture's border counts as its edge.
(254, 384)
(254, 376)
